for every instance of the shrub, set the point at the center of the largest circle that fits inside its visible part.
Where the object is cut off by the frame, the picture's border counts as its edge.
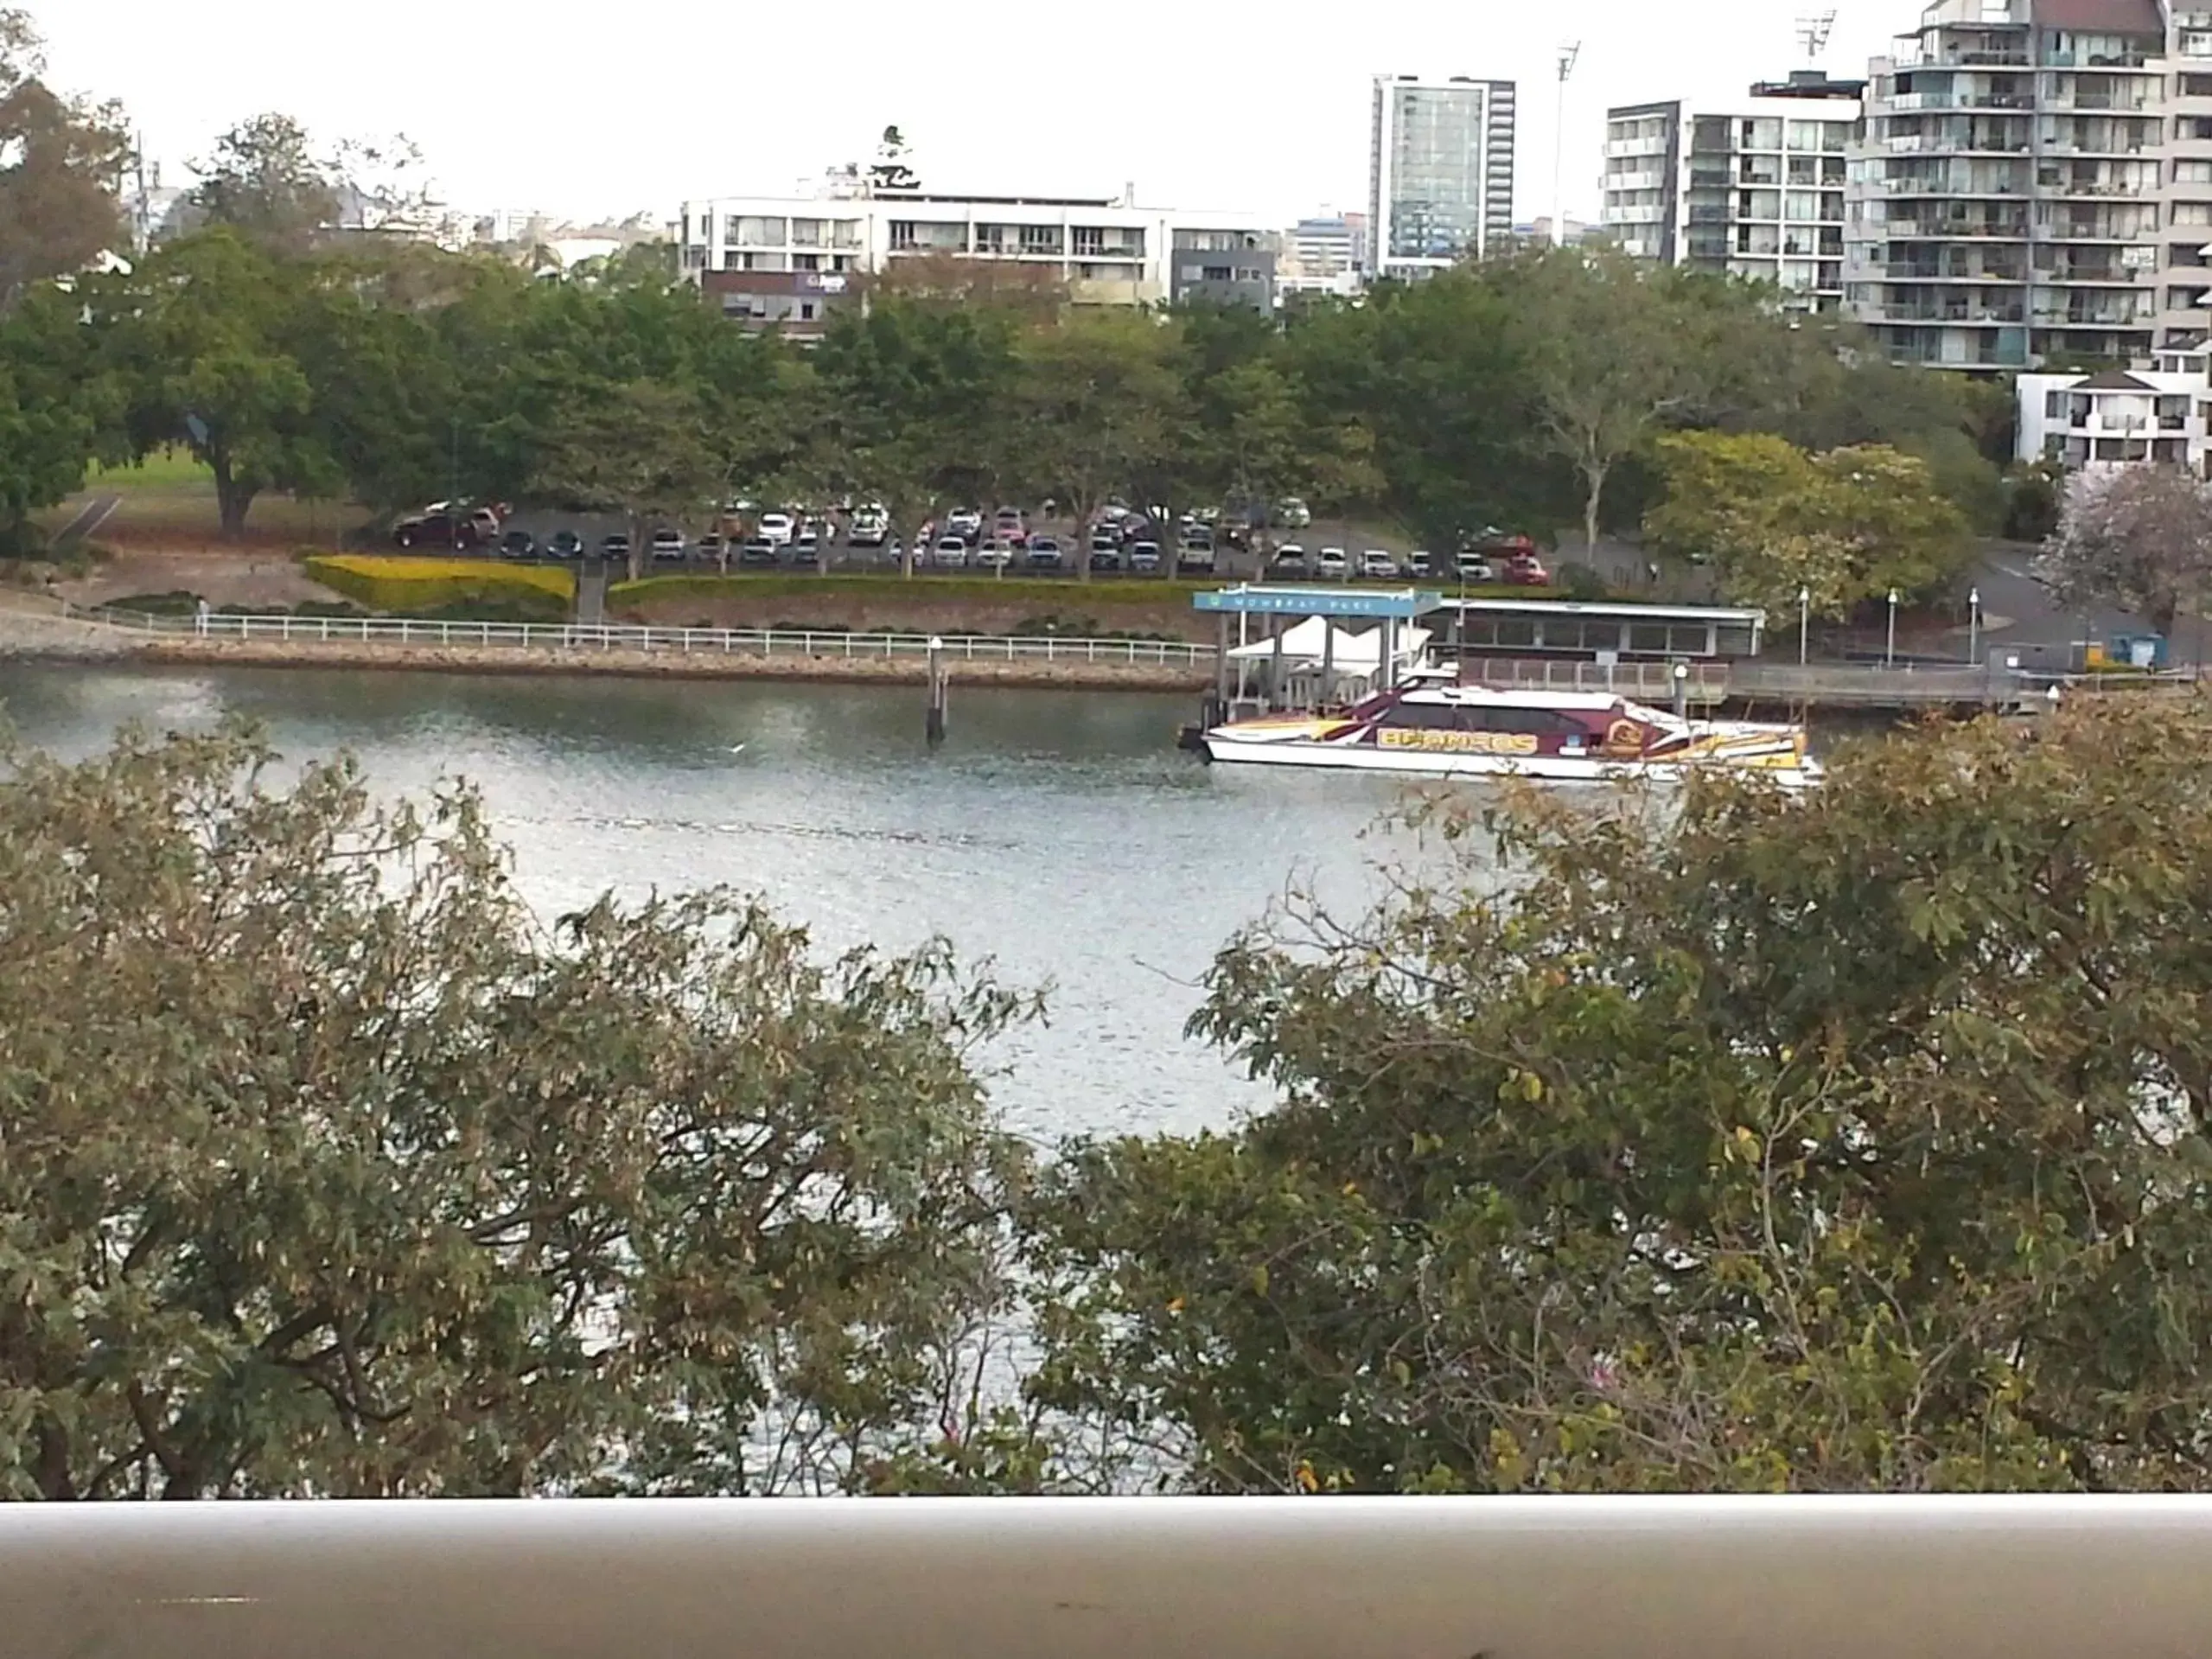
(460, 588)
(1580, 582)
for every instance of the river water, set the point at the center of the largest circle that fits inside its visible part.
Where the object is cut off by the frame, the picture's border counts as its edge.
(1060, 833)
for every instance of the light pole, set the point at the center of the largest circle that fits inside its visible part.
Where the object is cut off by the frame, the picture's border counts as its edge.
(1567, 56)
(1974, 625)
(1889, 648)
(1804, 621)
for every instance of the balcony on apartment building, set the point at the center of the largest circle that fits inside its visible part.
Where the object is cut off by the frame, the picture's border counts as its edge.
(1904, 103)
(1931, 270)
(1939, 346)
(1942, 227)
(2083, 135)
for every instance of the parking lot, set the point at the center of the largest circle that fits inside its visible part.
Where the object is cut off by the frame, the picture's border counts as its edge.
(595, 538)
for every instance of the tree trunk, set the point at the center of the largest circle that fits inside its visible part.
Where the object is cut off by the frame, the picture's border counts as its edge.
(232, 498)
(637, 546)
(1593, 474)
(1084, 512)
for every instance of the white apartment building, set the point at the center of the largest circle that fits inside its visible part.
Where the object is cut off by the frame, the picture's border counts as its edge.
(1439, 172)
(788, 260)
(2033, 180)
(2114, 418)
(1755, 189)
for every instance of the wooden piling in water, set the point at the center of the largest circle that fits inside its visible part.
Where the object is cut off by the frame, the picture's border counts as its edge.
(933, 725)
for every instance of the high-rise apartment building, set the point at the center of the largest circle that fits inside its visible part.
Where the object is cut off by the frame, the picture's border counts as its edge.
(2028, 183)
(1754, 190)
(1440, 172)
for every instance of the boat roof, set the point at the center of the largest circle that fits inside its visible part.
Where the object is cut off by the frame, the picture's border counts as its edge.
(1536, 697)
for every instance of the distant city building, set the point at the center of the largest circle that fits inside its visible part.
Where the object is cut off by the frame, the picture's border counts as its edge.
(788, 262)
(2115, 417)
(1326, 253)
(1755, 189)
(1440, 172)
(1538, 230)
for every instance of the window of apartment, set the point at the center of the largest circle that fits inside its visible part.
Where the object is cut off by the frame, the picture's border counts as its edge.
(1803, 170)
(1089, 239)
(1801, 204)
(755, 231)
(2194, 85)
(2193, 126)
(809, 233)
(1041, 238)
(806, 310)
(2193, 213)
(1761, 132)
(2196, 43)
(2193, 172)
(1217, 273)
(806, 262)
(1251, 273)
(764, 262)
(1835, 136)
(1804, 135)
(845, 233)
(2054, 404)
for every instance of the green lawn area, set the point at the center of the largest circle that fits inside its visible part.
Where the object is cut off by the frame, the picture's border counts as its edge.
(170, 490)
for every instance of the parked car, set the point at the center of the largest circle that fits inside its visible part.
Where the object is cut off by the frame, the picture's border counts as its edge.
(759, 550)
(519, 544)
(1290, 560)
(1333, 562)
(1526, 571)
(870, 527)
(616, 546)
(951, 552)
(564, 544)
(1377, 562)
(806, 543)
(1199, 536)
(994, 555)
(965, 522)
(440, 527)
(1105, 555)
(776, 528)
(1192, 560)
(1474, 568)
(709, 547)
(1419, 562)
(1293, 514)
(669, 544)
(1044, 552)
(1011, 527)
(1144, 558)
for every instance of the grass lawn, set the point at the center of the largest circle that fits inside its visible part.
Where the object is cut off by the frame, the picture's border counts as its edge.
(171, 493)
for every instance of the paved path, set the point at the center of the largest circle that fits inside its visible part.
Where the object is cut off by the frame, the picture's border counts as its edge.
(95, 513)
(591, 592)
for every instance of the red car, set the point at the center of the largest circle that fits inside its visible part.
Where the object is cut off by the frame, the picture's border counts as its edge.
(1525, 570)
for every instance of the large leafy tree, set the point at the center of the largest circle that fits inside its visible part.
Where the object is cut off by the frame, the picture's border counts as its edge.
(1841, 526)
(331, 1171)
(202, 337)
(265, 180)
(1862, 1141)
(2140, 537)
(57, 410)
(60, 160)
(642, 449)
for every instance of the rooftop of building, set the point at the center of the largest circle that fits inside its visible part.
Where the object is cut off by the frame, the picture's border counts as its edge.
(1809, 83)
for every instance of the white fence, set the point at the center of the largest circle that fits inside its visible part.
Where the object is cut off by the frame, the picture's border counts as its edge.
(686, 641)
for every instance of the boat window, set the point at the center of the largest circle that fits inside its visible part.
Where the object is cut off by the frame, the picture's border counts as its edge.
(1689, 640)
(1516, 630)
(1647, 636)
(1422, 717)
(1510, 718)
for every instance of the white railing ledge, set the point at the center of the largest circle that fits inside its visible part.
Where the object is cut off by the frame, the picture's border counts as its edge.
(1327, 1578)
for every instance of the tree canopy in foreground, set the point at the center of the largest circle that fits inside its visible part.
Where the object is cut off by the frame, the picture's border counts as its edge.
(325, 1170)
(1849, 1142)
(1856, 1142)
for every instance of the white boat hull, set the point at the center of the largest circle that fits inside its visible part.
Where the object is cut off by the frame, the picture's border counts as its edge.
(1424, 762)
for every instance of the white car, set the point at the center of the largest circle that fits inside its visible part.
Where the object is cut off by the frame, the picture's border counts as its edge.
(951, 552)
(1294, 513)
(964, 521)
(1332, 561)
(778, 528)
(1376, 562)
(994, 555)
(870, 525)
(668, 544)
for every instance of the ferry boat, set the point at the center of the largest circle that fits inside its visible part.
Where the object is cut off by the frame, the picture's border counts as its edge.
(1473, 731)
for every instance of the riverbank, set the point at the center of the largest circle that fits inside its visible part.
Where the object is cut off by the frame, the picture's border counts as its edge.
(388, 655)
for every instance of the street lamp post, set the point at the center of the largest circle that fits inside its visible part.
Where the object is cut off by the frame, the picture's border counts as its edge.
(1890, 646)
(1804, 621)
(1973, 626)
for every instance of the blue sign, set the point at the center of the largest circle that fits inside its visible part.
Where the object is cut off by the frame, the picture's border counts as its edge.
(1246, 601)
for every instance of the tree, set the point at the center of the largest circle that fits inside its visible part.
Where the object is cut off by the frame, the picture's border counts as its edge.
(60, 160)
(1842, 527)
(1852, 1142)
(331, 1173)
(2140, 537)
(1098, 403)
(1615, 356)
(200, 336)
(57, 409)
(642, 449)
(264, 181)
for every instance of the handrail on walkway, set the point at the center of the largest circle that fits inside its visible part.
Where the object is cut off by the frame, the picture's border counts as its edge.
(1168, 1577)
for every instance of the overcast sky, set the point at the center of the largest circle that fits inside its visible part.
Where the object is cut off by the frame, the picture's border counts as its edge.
(606, 109)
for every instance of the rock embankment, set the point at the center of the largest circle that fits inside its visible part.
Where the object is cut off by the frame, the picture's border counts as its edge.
(652, 665)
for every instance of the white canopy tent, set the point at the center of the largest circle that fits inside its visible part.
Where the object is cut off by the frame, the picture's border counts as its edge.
(1311, 651)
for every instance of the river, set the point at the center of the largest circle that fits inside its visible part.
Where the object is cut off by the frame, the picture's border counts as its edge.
(1059, 833)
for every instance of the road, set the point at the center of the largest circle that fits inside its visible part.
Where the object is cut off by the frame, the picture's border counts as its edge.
(2037, 626)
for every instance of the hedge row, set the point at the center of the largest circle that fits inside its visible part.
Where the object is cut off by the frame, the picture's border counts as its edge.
(416, 587)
